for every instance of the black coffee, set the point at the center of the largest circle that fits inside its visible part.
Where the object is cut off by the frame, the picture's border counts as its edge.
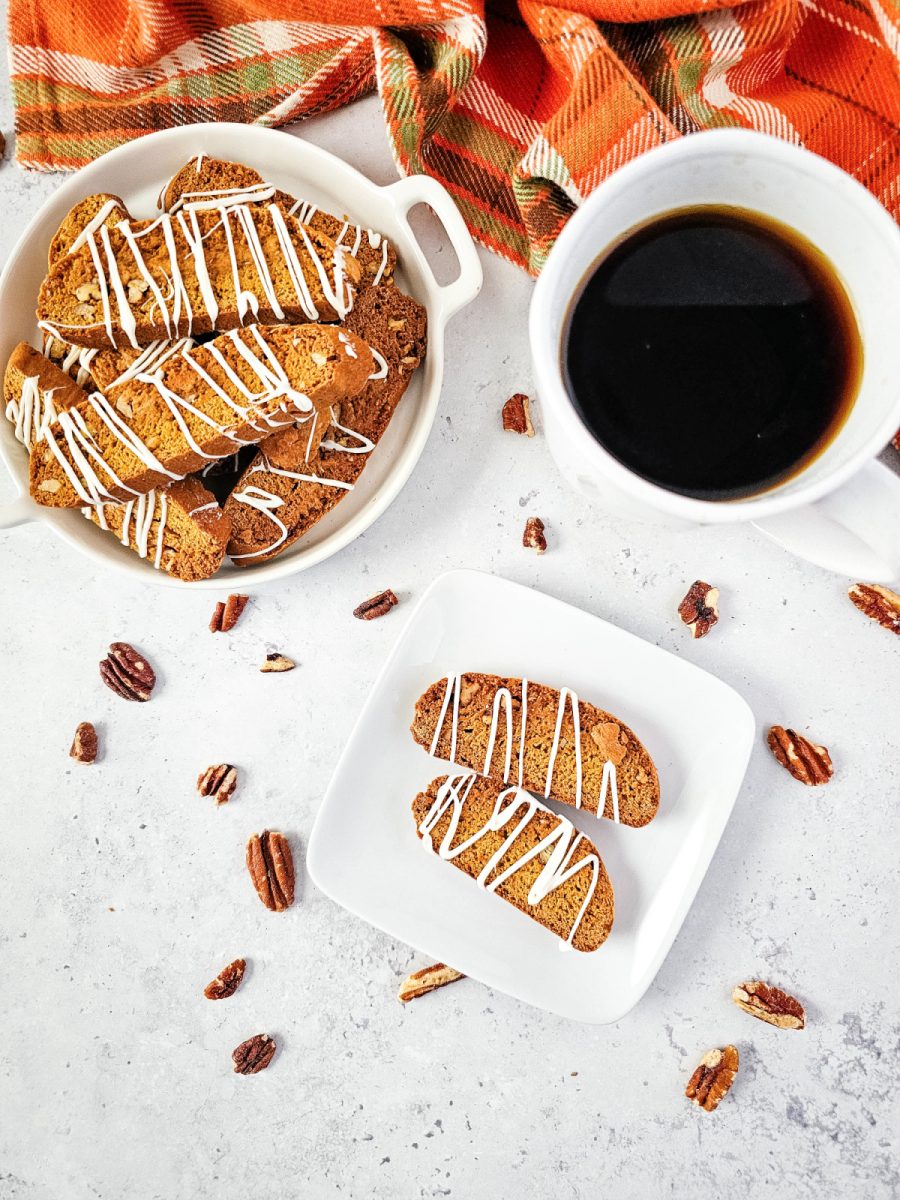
(713, 351)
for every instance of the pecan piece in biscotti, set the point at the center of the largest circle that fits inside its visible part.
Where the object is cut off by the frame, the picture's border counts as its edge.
(769, 1004)
(254, 1055)
(713, 1077)
(127, 673)
(805, 760)
(878, 603)
(271, 866)
(227, 982)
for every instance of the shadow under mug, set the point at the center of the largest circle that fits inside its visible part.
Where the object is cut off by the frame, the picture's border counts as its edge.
(842, 510)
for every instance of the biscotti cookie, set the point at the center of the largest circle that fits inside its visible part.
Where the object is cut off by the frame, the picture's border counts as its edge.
(179, 529)
(514, 846)
(545, 740)
(285, 492)
(34, 391)
(213, 180)
(200, 405)
(194, 271)
(85, 217)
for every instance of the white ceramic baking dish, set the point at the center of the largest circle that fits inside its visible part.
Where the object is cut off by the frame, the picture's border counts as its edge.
(137, 172)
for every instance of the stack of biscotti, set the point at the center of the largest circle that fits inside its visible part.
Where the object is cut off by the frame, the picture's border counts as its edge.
(286, 489)
(179, 529)
(516, 737)
(200, 404)
(516, 847)
(121, 310)
(211, 180)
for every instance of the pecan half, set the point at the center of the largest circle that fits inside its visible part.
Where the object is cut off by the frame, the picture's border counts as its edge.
(254, 1055)
(806, 761)
(426, 980)
(769, 1004)
(228, 614)
(84, 747)
(218, 781)
(227, 982)
(271, 867)
(713, 1077)
(533, 538)
(699, 609)
(278, 662)
(517, 415)
(127, 673)
(879, 603)
(376, 606)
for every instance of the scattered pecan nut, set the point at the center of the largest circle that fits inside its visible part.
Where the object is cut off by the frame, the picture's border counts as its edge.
(806, 761)
(278, 662)
(517, 415)
(227, 982)
(713, 1077)
(426, 980)
(84, 747)
(227, 615)
(218, 781)
(879, 603)
(271, 866)
(127, 673)
(769, 1004)
(895, 440)
(699, 609)
(254, 1055)
(534, 538)
(375, 606)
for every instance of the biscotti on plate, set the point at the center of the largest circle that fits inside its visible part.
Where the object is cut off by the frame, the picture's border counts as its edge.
(198, 405)
(543, 739)
(516, 847)
(285, 490)
(215, 180)
(195, 271)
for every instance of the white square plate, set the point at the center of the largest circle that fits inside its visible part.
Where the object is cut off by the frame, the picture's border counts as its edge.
(364, 852)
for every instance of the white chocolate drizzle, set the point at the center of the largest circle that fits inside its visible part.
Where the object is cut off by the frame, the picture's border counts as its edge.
(81, 356)
(30, 410)
(512, 812)
(503, 699)
(267, 502)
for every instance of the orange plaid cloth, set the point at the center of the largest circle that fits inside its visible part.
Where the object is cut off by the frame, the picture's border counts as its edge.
(519, 112)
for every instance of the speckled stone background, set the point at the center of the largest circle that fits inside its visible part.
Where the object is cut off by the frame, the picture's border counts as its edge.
(123, 893)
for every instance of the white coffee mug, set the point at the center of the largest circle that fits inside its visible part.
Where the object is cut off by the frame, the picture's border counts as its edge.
(842, 511)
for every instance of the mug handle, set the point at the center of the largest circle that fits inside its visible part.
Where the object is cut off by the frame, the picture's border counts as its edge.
(854, 531)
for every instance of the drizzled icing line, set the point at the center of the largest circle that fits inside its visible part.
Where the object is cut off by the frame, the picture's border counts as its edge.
(503, 699)
(557, 848)
(30, 410)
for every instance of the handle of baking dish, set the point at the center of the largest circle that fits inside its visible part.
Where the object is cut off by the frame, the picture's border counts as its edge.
(422, 189)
